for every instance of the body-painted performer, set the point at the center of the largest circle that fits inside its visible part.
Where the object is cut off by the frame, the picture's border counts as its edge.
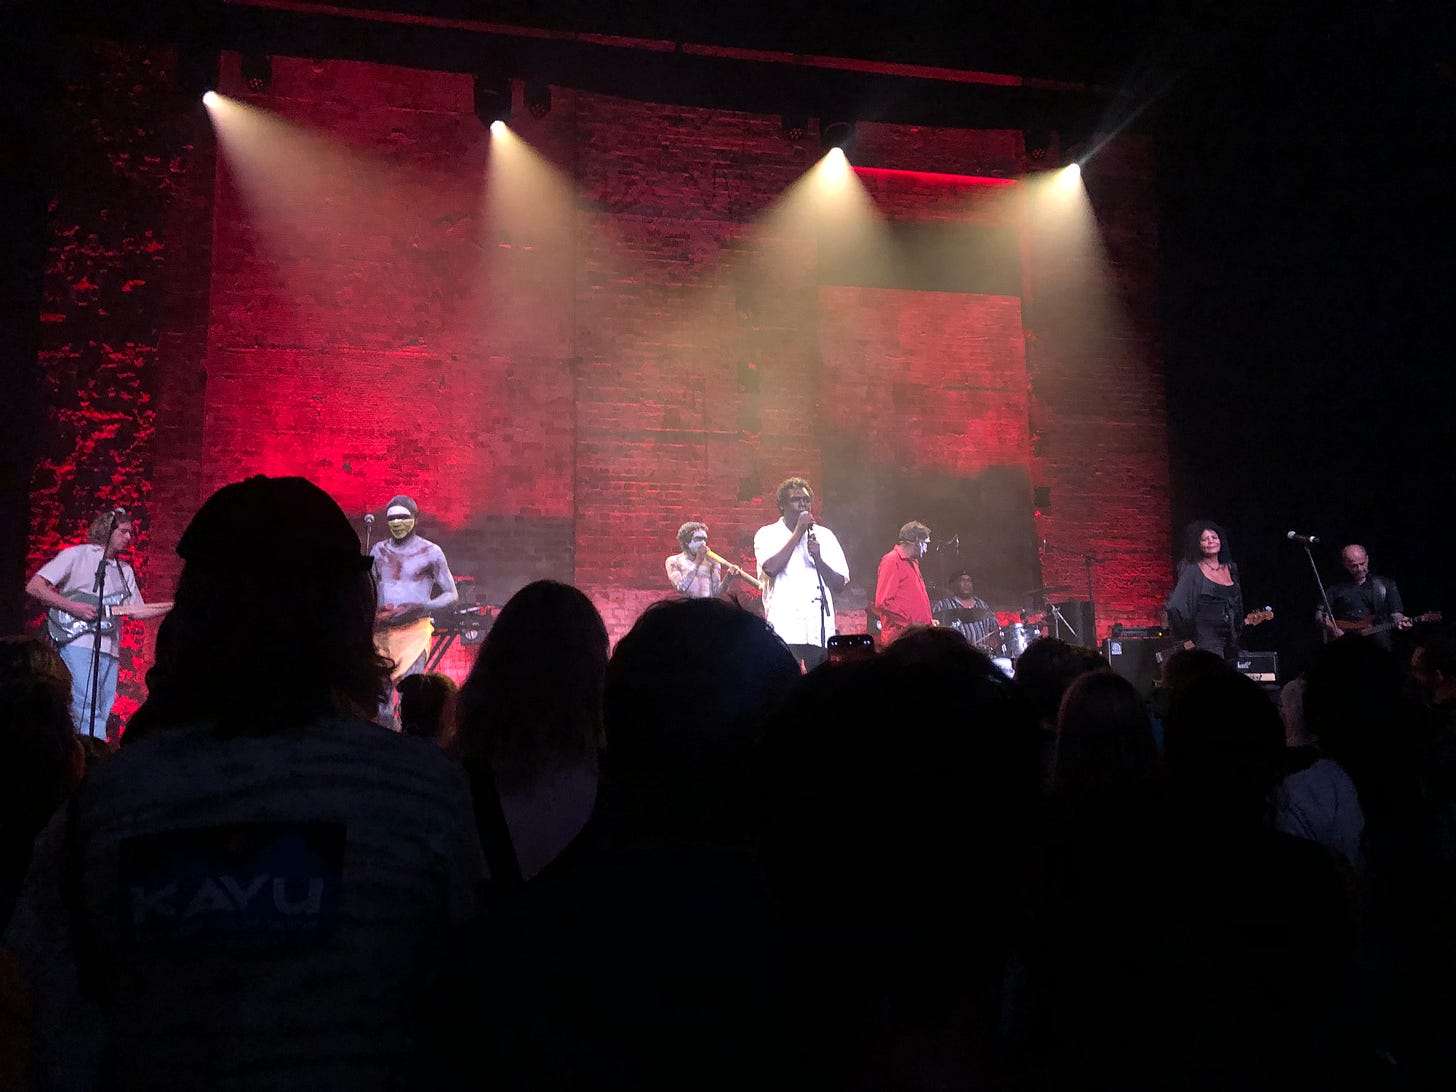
(697, 572)
(414, 580)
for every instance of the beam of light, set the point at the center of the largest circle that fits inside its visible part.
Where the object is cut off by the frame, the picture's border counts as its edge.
(527, 239)
(932, 177)
(1067, 260)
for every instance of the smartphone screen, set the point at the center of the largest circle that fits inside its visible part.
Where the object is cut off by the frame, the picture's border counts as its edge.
(850, 646)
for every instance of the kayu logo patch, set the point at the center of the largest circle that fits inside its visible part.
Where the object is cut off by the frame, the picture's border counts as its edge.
(256, 882)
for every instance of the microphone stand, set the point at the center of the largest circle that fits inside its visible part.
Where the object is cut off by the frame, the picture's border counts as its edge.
(1319, 583)
(99, 588)
(823, 596)
(1058, 618)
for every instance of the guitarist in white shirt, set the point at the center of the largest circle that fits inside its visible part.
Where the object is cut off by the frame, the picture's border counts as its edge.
(66, 586)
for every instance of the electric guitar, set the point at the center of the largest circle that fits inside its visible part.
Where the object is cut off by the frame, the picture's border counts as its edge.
(1253, 618)
(1367, 626)
(64, 627)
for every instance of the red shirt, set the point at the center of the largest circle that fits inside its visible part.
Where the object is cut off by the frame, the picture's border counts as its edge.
(901, 600)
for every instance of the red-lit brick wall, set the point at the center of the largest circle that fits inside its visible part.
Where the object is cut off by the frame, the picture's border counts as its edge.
(561, 387)
(125, 300)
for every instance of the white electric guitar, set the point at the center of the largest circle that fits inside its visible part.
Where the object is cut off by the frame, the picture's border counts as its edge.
(64, 627)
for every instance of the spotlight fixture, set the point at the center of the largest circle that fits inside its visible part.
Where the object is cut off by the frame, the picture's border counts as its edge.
(538, 99)
(835, 134)
(795, 126)
(1038, 146)
(492, 98)
(257, 71)
(196, 70)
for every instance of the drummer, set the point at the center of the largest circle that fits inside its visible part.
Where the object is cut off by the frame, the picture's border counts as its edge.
(966, 612)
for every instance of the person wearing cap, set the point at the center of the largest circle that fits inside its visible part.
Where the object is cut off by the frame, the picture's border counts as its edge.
(414, 580)
(251, 891)
(901, 600)
(964, 611)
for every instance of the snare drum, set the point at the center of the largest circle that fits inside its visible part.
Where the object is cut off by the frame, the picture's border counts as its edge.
(1005, 665)
(1016, 637)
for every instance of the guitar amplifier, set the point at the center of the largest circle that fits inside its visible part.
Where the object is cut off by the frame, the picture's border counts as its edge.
(1135, 659)
(1262, 667)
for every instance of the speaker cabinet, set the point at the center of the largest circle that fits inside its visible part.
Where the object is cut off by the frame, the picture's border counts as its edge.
(1134, 658)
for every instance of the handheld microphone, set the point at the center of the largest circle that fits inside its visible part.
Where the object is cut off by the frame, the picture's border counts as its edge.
(1303, 540)
(369, 519)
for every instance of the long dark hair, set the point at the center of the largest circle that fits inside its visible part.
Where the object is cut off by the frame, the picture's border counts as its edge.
(533, 700)
(1192, 554)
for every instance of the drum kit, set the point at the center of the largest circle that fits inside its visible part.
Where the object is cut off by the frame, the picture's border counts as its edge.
(1004, 642)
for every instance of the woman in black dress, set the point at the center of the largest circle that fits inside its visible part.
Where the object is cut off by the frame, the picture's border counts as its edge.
(1207, 604)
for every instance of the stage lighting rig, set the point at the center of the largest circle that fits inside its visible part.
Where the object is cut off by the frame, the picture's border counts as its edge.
(257, 71)
(538, 99)
(835, 133)
(492, 98)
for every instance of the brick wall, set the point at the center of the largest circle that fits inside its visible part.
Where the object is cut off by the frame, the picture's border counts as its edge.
(564, 354)
(124, 295)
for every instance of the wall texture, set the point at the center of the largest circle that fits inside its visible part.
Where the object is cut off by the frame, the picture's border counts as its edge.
(562, 353)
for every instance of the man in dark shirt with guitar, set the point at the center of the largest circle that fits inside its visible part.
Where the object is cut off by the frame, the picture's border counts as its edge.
(1366, 603)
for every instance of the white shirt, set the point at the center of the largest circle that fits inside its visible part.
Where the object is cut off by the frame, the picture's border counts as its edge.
(72, 572)
(791, 599)
(1321, 804)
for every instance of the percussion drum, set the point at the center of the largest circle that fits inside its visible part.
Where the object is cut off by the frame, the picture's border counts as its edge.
(1005, 665)
(1016, 637)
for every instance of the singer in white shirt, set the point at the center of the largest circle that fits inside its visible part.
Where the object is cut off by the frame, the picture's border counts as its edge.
(796, 558)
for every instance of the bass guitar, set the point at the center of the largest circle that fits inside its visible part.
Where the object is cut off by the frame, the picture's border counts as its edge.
(1253, 618)
(64, 627)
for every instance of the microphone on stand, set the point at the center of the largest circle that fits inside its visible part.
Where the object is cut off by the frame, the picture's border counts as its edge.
(1303, 540)
(369, 519)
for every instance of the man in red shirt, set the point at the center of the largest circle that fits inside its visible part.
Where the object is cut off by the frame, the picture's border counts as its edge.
(900, 597)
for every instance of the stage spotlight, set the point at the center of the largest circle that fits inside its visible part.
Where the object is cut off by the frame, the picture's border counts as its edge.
(794, 125)
(209, 98)
(257, 71)
(835, 134)
(497, 127)
(538, 99)
(492, 99)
